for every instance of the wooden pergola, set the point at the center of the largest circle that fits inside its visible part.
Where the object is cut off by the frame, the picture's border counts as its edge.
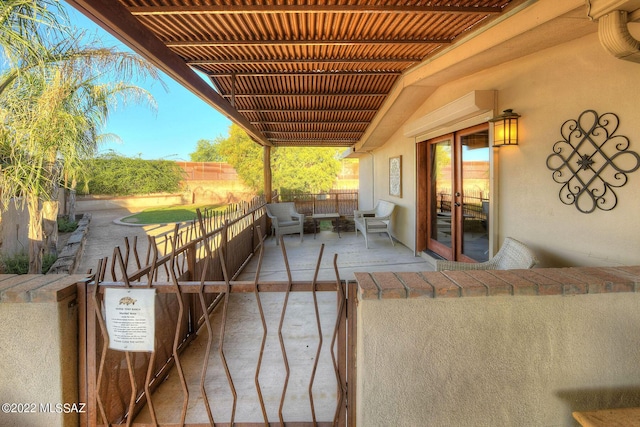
(300, 72)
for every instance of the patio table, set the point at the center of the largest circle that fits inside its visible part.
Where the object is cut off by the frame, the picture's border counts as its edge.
(320, 216)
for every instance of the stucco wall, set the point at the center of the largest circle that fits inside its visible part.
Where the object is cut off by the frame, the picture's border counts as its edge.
(367, 187)
(500, 361)
(39, 351)
(225, 192)
(404, 214)
(133, 203)
(14, 229)
(546, 88)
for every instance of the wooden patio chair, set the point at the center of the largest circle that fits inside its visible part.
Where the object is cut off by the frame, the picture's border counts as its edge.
(512, 255)
(285, 219)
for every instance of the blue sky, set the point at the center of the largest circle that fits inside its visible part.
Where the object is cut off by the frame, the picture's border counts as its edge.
(169, 133)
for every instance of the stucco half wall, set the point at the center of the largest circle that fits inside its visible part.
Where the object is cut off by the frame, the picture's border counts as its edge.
(439, 359)
(39, 351)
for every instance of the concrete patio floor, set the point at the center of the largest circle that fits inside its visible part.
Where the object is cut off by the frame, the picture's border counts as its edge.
(105, 233)
(352, 256)
(243, 334)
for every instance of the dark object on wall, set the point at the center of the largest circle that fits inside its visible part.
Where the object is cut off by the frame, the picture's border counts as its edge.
(591, 161)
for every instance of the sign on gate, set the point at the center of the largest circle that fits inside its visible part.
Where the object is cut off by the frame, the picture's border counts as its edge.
(130, 318)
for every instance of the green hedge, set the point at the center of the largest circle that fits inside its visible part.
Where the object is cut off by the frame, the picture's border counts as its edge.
(116, 175)
(19, 263)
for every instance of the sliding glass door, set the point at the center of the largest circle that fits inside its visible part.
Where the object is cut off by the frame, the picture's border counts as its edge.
(441, 201)
(455, 205)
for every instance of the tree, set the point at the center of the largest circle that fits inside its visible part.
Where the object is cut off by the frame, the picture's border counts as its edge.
(207, 151)
(245, 156)
(307, 169)
(22, 23)
(55, 97)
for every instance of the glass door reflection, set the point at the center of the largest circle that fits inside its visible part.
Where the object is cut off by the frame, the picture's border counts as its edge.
(441, 230)
(475, 190)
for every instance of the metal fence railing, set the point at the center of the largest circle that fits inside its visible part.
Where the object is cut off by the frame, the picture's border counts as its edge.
(472, 203)
(343, 202)
(193, 273)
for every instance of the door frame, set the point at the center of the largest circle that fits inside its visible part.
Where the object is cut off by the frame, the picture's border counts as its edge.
(424, 196)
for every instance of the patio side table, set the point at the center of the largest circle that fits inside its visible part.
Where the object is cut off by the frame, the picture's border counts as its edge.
(320, 216)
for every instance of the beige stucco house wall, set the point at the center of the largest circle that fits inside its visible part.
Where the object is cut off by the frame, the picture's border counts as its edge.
(547, 87)
(497, 361)
(509, 360)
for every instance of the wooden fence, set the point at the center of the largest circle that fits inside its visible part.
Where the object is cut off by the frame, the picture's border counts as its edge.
(343, 202)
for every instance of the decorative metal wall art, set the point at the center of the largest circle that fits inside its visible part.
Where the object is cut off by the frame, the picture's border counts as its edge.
(591, 160)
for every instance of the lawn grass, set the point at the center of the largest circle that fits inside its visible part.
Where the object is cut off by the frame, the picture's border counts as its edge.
(168, 214)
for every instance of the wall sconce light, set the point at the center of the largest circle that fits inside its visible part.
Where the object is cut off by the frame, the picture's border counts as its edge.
(505, 128)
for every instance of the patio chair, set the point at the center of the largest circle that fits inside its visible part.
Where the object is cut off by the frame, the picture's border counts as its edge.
(376, 220)
(512, 255)
(285, 219)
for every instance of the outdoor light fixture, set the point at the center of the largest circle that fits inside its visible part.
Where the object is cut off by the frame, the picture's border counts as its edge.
(505, 128)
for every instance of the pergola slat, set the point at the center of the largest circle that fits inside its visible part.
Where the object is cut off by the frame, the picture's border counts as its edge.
(308, 72)
(308, 9)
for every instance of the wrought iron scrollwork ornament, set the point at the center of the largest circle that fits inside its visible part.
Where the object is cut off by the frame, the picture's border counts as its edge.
(591, 161)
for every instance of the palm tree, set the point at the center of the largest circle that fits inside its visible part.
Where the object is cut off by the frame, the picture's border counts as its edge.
(23, 23)
(55, 97)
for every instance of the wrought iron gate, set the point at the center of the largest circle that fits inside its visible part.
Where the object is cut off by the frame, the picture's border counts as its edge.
(226, 352)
